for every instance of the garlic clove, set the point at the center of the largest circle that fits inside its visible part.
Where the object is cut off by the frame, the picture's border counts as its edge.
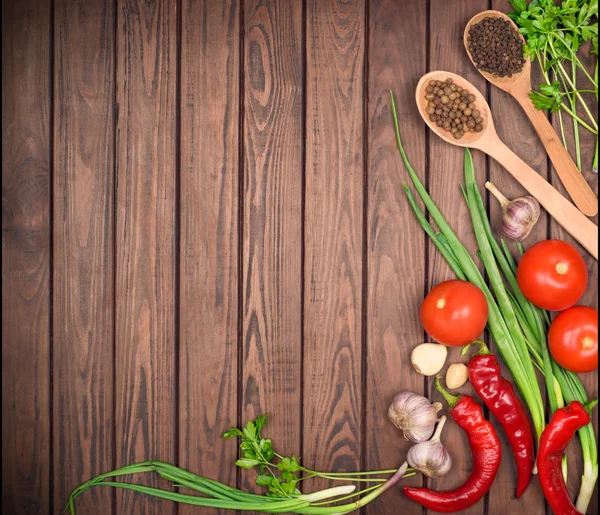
(429, 358)
(456, 375)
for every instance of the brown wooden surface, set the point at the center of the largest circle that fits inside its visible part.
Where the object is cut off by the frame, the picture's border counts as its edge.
(272, 220)
(83, 296)
(204, 219)
(26, 258)
(145, 285)
(209, 285)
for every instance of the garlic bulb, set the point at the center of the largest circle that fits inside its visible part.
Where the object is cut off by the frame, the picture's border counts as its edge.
(431, 458)
(519, 216)
(414, 415)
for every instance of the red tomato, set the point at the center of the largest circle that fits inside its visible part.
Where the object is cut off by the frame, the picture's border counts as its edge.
(573, 339)
(454, 313)
(552, 275)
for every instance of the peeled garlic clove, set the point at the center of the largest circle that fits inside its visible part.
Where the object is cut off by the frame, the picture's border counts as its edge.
(414, 415)
(456, 375)
(429, 358)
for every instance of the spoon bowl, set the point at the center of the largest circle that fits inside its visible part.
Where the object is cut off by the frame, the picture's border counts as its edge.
(520, 81)
(469, 139)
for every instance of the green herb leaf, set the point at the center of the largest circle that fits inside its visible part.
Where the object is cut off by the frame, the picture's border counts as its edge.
(232, 433)
(260, 422)
(544, 102)
(247, 463)
(264, 480)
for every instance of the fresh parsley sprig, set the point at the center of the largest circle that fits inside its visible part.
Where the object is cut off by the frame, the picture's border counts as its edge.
(280, 474)
(554, 34)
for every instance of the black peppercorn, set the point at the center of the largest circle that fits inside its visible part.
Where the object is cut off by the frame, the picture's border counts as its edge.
(496, 47)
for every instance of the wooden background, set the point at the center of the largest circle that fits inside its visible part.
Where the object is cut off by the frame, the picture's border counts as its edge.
(203, 219)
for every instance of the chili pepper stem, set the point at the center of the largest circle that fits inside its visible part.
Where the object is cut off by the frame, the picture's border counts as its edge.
(450, 399)
(483, 349)
(590, 405)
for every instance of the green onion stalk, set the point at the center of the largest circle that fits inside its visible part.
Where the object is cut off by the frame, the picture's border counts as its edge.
(220, 496)
(518, 327)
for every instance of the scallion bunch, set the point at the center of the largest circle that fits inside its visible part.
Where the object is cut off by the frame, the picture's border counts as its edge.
(280, 475)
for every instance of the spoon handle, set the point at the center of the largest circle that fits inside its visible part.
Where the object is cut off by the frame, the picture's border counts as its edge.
(565, 213)
(573, 180)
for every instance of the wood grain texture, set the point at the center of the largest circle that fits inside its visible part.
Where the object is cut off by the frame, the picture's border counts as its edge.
(272, 220)
(83, 249)
(333, 235)
(446, 174)
(508, 116)
(209, 238)
(26, 254)
(590, 380)
(396, 268)
(145, 241)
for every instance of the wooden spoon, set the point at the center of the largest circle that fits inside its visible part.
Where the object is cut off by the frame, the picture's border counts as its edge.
(565, 213)
(519, 86)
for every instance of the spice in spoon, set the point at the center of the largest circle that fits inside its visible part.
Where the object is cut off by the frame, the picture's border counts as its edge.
(519, 216)
(496, 47)
(452, 108)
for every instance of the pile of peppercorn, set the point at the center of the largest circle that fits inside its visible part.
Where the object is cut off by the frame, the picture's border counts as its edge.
(452, 108)
(496, 47)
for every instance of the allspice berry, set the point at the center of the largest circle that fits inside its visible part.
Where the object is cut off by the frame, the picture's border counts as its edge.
(452, 108)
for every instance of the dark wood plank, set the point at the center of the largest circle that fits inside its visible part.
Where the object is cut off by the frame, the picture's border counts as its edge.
(590, 381)
(516, 131)
(333, 235)
(272, 219)
(26, 437)
(446, 176)
(83, 249)
(396, 268)
(209, 238)
(145, 240)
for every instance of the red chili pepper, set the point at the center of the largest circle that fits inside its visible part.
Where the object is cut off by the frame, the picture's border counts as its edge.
(555, 438)
(499, 396)
(485, 447)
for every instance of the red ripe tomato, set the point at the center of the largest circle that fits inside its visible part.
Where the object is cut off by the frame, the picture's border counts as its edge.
(454, 313)
(552, 275)
(573, 339)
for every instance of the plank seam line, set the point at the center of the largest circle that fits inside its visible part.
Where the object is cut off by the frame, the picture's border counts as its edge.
(240, 264)
(426, 246)
(51, 142)
(365, 244)
(177, 244)
(303, 218)
(114, 249)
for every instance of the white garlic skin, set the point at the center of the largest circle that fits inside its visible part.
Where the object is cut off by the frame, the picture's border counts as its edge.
(414, 415)
(520, 216)
(430, 458)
